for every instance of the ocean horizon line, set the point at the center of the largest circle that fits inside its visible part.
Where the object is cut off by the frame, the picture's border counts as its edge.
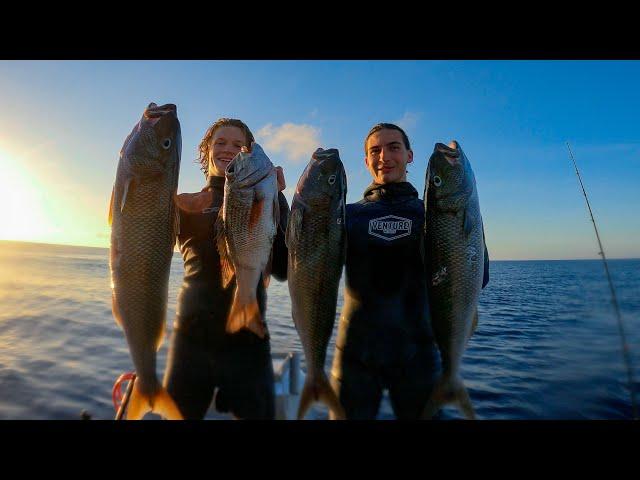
(492, 260)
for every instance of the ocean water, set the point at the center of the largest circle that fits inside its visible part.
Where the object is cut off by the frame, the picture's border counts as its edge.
(547, 345)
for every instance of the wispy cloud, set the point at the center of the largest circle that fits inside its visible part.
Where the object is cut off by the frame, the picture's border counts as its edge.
(296, 141)
(408, 120)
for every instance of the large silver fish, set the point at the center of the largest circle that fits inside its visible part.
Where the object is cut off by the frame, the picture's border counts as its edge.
(454, 251)
(247, 224)
(316, 240)
(144, 226)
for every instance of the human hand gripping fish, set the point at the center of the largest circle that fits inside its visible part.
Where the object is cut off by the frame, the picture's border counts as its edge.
(144, 225)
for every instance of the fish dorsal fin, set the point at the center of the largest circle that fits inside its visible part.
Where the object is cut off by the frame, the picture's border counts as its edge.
(294, 226)
(110, 216)
(226, 265)
(485, 278)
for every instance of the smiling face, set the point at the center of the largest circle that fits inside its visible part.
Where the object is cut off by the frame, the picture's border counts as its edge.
(387, 156)
(225, 144)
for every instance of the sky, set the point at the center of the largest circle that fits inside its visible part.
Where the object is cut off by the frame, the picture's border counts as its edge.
(63, 123)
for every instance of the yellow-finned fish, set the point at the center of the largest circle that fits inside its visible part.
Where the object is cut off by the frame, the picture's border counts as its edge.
(316, 241)
(455, 266)
(144, 225)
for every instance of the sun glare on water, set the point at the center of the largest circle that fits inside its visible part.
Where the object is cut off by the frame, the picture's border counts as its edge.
(22, 214)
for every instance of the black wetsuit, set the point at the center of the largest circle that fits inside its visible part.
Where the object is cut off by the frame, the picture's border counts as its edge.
(202, 356)
(385, 339)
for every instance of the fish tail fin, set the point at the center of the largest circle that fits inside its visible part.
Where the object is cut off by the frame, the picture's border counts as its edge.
(319, 389)
(165, 406)
(160, 403)
(246, 316)
(449, 391)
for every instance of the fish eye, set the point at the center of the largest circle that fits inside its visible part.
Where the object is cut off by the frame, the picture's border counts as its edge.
(437, 181)
(166, 143)
(332, 179)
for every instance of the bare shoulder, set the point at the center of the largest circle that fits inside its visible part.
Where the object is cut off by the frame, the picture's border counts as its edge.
(194, 202)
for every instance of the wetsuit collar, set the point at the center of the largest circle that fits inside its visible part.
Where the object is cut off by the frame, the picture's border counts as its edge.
(390, 192)
(214, 183)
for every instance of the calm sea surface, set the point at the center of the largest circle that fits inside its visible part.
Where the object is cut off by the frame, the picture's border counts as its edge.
(547, 344)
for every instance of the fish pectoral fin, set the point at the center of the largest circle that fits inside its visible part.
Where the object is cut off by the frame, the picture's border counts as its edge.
(246, 316)
(320, 390)
(256, 212)
(294, 226)
(226, 265)
(128, 186)
(161, 403)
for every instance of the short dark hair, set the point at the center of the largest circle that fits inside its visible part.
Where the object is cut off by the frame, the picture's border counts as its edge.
(388, 126)
(204, 147)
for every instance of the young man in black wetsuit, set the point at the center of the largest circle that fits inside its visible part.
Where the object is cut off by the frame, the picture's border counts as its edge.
(202, 356)
(385, 339)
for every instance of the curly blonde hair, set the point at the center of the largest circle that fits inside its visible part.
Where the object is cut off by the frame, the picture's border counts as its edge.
(205, 144)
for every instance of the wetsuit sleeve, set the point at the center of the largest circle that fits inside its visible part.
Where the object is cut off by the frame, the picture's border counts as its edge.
(280, 252)
(485, 279)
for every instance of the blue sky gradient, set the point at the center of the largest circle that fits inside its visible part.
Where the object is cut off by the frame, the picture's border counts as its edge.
(63, 123)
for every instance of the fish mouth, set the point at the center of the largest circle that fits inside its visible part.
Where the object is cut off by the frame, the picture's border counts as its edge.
(451, 152)
(154, 111)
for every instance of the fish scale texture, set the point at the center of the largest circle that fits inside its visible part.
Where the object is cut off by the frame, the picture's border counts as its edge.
(456, 263)
(142, 240)
(315, 266)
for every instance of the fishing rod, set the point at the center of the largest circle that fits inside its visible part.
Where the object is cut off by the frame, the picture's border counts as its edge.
(125, 400)
(625, 346)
